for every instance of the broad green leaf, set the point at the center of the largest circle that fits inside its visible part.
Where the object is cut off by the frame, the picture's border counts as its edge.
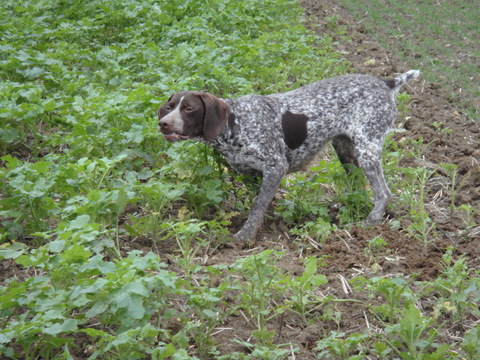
(121, 339)
(79, 223)
(12, 251)
(76, 253)
(6, 337)
(97, 309)
(56, 245)
(68, 325)
(96, 333)
(135, 308)
(136, 288)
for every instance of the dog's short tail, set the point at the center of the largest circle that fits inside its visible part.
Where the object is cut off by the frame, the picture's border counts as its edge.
(396, 84)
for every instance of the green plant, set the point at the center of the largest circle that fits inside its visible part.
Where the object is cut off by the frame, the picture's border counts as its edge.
(451, 170)
(351, 191)
(414, 332)
(303, 298)
(422, 226)
(333, 23)
(262, 352)
(40, 336)
(395, 291)
(317, 230)
(76, 286)
(201, 178)
(189, 241)
(456, 291)
(441, 129)
(471, 343)
(339, 346)
(469, 212)
(304, 197)
(85, 179)
(414, 147)
(209, 311)
(403, 104)
(261, 284)
(30, 193)
(375, 246)
(130, 344)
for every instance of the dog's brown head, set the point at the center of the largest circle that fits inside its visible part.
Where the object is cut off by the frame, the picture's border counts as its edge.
(192, 113)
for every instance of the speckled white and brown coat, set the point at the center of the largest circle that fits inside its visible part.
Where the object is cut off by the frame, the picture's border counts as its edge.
(280, 133)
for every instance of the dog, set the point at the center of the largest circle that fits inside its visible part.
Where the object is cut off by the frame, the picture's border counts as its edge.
(273, 135)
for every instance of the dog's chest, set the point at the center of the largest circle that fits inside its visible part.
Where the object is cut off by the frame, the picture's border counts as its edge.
(246, 158)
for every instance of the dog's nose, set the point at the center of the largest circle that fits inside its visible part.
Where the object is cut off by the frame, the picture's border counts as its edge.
(163, 125)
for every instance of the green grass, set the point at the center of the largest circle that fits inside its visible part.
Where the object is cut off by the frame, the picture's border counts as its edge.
(439, 37)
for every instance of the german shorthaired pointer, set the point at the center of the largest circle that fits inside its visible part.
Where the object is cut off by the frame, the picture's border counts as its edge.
(276, 134)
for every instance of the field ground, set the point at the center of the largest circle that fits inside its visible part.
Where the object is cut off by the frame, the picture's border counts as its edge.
(440, 37)
(440, 130)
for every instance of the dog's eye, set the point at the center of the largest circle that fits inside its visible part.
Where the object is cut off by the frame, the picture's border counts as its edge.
(189, 109)
(168, 108)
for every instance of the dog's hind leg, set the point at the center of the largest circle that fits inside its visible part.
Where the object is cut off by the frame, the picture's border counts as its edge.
(371, 162)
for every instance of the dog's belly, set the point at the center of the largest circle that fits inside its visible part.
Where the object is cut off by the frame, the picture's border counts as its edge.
(301, 159)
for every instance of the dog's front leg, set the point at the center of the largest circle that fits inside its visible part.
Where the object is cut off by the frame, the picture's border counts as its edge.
(272, 176)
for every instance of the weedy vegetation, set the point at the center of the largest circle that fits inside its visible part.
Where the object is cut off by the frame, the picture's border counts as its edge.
(107, 230)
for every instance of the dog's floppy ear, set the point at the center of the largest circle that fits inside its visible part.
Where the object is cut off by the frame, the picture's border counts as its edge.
(216, 115)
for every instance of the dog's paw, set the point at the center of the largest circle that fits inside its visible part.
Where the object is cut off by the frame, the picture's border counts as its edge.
(244, 237)
(373, 221)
